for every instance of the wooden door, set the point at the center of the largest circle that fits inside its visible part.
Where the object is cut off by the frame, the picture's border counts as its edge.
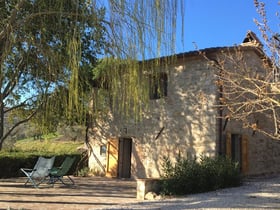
(112, 158)
(124, 163)
(237, 150)
(244, 154)
(228, 144)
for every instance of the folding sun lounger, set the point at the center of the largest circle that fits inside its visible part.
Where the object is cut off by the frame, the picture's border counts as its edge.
(40, 171)
(57, 173)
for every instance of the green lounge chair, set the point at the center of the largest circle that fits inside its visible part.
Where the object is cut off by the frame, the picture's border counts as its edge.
(40, 171)
(57, 173)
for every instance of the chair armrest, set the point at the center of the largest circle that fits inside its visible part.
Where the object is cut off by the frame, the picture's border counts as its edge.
(28, 169)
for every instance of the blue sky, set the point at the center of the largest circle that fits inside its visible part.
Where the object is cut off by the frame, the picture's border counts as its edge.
(217, 23)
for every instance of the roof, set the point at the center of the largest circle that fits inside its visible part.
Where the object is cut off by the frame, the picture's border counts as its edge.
(250, 42)
(252, 39)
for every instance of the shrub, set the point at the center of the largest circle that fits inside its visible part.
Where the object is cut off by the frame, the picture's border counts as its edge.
(83, 172)
(191, 176)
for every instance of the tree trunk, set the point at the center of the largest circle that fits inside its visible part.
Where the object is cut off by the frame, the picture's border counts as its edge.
(1, 124)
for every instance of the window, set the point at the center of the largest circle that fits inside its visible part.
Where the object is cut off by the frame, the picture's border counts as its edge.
(103, 150)
(158, 86)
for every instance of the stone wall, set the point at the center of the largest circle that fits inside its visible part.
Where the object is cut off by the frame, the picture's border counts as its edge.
(264, 156)
(263, 152)
(186, 122)
(182, 123)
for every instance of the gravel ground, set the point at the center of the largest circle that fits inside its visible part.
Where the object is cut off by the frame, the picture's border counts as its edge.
(105, 193)
(255, 193)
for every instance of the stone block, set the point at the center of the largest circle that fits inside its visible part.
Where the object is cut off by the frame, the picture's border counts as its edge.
(147, 185)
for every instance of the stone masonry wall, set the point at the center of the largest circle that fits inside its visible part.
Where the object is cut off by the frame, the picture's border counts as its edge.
(263, 152)
(183, 123)
(264, 156)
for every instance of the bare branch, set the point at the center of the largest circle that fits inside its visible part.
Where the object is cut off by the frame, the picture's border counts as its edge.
(17, 124)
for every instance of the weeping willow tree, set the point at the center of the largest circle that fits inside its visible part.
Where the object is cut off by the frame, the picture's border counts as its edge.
(120, 87)
(48, 49)
(138, 31)
(43, 46)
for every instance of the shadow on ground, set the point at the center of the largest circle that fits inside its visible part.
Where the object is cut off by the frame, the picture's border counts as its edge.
(87, 193)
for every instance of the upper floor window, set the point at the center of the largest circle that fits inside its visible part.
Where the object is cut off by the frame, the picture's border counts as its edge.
(158, 86)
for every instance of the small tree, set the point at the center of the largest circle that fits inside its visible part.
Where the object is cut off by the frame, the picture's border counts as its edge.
(250, 93)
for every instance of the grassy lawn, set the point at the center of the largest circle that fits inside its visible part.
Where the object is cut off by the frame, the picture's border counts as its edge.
(48, 146)
(24, 154)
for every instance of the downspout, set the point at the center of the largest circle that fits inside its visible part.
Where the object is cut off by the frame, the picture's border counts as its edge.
(220, 120)
(220, 109)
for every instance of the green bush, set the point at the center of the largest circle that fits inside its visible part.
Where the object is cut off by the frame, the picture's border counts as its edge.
(191, 176)
(83, 172)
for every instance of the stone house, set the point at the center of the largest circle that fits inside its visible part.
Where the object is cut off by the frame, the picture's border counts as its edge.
(184, 120)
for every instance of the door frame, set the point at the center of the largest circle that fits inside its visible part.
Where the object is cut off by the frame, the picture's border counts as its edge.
(244, 141)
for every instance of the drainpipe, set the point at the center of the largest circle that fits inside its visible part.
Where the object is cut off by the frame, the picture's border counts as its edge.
(220, 110)
(220, 121)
